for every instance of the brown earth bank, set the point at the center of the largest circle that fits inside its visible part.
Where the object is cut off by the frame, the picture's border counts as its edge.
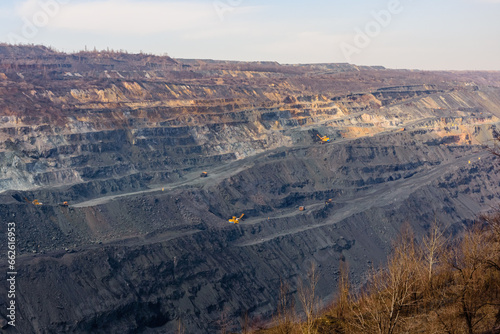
(144, 243)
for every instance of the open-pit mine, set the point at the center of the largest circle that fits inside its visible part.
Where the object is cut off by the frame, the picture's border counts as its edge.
(120, 173)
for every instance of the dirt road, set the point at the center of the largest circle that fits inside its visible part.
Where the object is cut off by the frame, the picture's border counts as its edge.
(379, 195)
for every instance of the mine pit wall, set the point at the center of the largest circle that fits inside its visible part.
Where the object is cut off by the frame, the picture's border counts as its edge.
(131, 287)
(118, 141)
(146, 261)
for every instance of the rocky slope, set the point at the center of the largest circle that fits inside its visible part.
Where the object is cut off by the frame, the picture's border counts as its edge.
(144, 244)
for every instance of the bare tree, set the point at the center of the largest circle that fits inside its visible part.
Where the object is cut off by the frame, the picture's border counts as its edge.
(180, 327)
(390, 291)
(309, 300)
(473, 280)
(493, 262)
(285, 316)
(223, 321)
(344, 292)
(245, 323)
(433, 246)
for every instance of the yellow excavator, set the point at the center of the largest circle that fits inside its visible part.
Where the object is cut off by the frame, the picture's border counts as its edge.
(324, 139)
(236, 220)
(35, 202)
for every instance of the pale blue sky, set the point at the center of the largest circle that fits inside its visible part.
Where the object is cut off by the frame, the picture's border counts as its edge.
(423, 34)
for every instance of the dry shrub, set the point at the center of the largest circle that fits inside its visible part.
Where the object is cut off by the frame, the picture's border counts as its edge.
(433, 286)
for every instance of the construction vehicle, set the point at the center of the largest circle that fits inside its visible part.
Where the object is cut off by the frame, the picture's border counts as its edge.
(324, 139)
(35, 202)
(65, 203)
(204, 174)
(302, 208)
(236, 220)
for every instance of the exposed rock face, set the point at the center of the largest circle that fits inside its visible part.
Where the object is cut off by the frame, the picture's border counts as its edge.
(144, 243)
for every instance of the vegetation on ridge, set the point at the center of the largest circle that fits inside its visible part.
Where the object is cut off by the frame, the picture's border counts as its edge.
(434, 285)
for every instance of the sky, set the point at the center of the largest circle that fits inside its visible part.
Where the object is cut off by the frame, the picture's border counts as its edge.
(412, 34)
